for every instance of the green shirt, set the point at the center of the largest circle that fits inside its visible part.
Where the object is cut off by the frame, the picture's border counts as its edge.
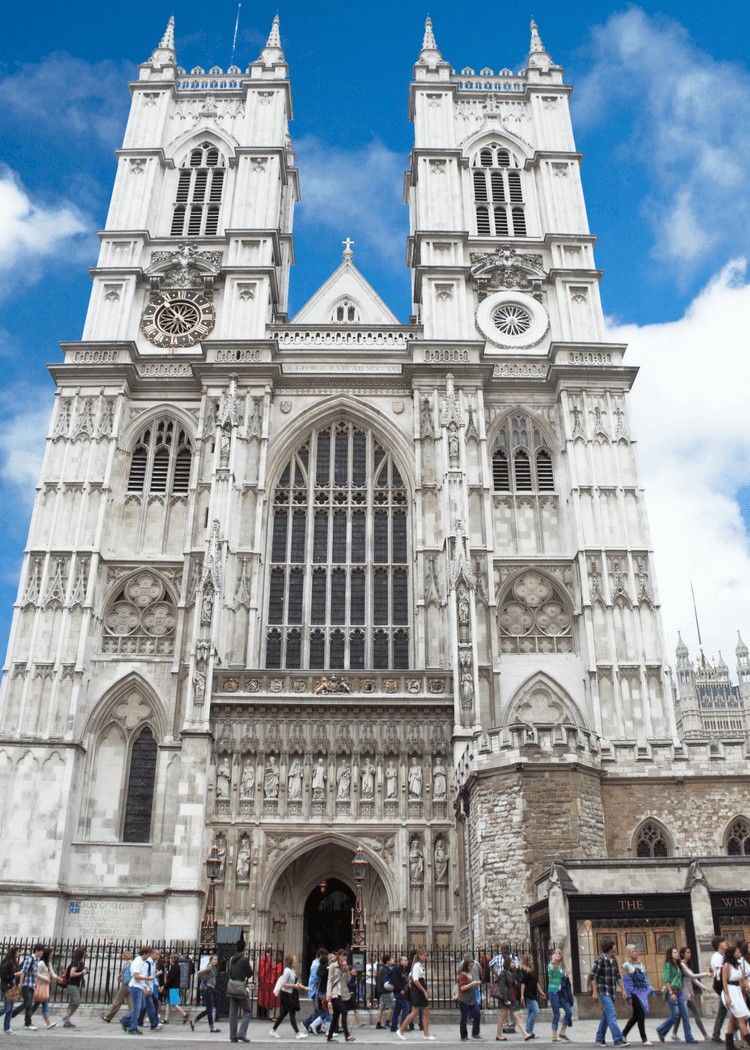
(554, 978)
(672, 975)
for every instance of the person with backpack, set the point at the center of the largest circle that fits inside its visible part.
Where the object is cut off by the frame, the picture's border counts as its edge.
(384, 991)
(239, 971)
(76, 981)
(399, 979)
(288, 989)
(207, 983)
(122, 995)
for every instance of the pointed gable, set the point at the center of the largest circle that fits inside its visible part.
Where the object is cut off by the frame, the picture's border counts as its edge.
(345, 298)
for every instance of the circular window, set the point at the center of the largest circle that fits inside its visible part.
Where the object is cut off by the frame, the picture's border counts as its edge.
(513, 321)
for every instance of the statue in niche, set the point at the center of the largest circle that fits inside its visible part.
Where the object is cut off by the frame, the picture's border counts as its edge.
(441, 863)
(294, 780)
(416, 863)
(463, 615)
(247, 784)
(368, 780)
(467, 688)
(223, 779)
(199, 685)
(207, 606)
(242, 867)
(439, 781)
(391, 780)
(225, 440)
(343, 779)
(319, 781)
(271, 778)
(453, 447)
(415, 779)
(221, 849)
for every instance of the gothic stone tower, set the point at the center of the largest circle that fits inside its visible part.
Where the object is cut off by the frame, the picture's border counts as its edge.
(295, 586)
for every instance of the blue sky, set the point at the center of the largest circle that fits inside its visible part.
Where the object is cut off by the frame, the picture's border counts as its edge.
(661, 109)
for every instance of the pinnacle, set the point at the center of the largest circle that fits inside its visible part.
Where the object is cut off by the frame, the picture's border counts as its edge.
(274, 37)
(429, 52)
(536, 40)
(167, 41)
(273, 51)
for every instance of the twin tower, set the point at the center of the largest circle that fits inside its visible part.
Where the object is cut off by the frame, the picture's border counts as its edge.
(294, 586)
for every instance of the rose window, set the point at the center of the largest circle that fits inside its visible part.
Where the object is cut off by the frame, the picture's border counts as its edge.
(141, 619)
(511, 319)
(534, 617)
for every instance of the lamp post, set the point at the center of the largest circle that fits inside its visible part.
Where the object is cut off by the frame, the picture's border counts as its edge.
(208, 929)
(359, 919)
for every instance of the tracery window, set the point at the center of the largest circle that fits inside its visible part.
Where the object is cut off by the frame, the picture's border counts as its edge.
(345, 312)
(738, 840)
(199, 191)
(521, 462)
(141, 619)
(140, 796)
(161, 459)
(339, 590)
(534, 617)
(651, 841)
(498, 193)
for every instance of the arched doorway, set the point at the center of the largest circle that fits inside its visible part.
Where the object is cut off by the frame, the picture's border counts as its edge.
(327, 919)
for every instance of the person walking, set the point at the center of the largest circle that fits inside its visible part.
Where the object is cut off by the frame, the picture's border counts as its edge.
(28, 986)
(556, 975)
(288, 989)
(45, 975)
(400, 981)
(338, 995)
(509, 986)
(691, 989)
(530, 992)
(76, 982)
(734, 1000)
(313, 983)
(240, 970)
(172, 989)
(420, 1000)
(139, 979)
(10, 972)
(468, 984)
(673, 978)
(637, 989)
(385, 996)
(122, 995)
(715, 967)
(207, 983)
(605, 979)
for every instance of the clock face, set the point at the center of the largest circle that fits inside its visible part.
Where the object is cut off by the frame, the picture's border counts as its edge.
(178, 319)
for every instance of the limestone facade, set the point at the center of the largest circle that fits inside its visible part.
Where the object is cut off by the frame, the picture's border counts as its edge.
(293, 586)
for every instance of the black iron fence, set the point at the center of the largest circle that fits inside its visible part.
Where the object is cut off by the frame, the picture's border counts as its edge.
(104, 961)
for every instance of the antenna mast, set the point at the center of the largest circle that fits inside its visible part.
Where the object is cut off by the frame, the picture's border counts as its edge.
(234, 41)
(695, 611)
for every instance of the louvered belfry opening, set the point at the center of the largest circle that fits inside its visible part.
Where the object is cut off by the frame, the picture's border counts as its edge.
(199, 191)
(498, 193)
(339, 584)
(161, 459)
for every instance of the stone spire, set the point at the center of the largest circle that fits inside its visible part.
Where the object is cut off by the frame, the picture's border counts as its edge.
(164, 56)
(539, 57)
(429, 55)
(741, 650)
(273, 51)
(167, 41)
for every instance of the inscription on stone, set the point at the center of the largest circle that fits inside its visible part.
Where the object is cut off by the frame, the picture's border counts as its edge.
(120, 920)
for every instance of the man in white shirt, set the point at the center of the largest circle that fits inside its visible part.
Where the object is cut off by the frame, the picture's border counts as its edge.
(719, 946)
(140, 977)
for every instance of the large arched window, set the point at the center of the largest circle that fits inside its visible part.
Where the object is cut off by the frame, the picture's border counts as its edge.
(498, 193)
(521, 462)
(339, 591)
(199, 190)
(161, 459)
(651, 841)
(140, 619)
(738, 839)
(140, 796)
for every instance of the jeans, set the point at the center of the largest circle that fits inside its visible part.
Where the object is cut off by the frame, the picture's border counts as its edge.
(7, 1009)
(694, 1007)
(532, 1009)
(469, 1011)
(208, 1002)
(677, 1009)
(27, 996)
(150, 1006)
(401, 1010)
(609, 1020)
(130, 1021)
(235, 1005)
(557, 1004)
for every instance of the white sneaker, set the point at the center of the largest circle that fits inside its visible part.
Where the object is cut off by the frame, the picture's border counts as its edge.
(400, 1035)
(274, 1034)
(302, 1035)
(432, 1038)
(29, 1028)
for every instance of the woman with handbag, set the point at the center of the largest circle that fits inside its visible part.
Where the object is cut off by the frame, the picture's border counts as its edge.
(419, 998)
(288, 989)
(45, 975)
(467, 1000)
(10, 990)
(207, 984)
(509, 986)
(691, 989)
(338, 995)
(637, 989)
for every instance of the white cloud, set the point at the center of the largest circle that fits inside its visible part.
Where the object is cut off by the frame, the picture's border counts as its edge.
(354, 193)
(690, 407)
(70, 97)
(24, 419)
(687, 114)
(32, 231)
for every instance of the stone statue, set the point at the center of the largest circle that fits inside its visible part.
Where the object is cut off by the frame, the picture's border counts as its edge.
(271, 778)
(247, 784)
(439, 781)
(441, 864)
(415, 779)
(453, 446)
(242, 868)
(343, 779)
(391, 780)
(416, 863)
(223, 779)
(294, 780)
(368, 780)
(319, 781)
(207, 606)
(199, 686)
(467, 688)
